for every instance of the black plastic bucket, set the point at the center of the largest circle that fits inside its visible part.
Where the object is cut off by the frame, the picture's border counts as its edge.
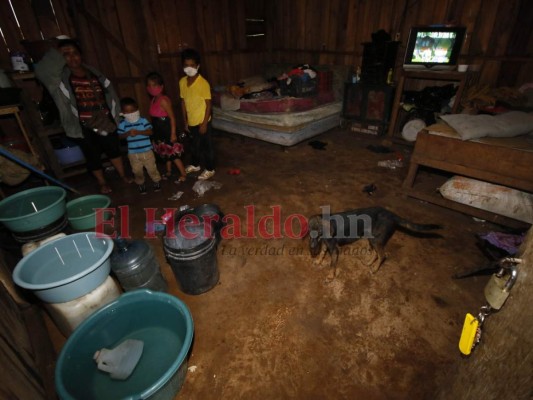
(192, 253)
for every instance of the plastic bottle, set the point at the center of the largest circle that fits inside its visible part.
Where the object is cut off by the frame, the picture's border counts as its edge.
(18, 61)
(389, 77)
(393, 163)
(135, 266)
(120, 361)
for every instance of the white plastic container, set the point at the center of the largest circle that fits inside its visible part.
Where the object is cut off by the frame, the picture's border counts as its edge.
(18, 63)
(67, 316)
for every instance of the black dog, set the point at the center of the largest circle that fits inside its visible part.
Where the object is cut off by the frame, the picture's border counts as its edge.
(376, 224)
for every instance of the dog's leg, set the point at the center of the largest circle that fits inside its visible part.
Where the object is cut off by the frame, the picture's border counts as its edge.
(372, 255)
(380, 256)
(382, 231)
(320, 258)
(333, 249)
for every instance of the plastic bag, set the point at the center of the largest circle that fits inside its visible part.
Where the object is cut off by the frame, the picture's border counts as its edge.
(200, 187)
(391, 164)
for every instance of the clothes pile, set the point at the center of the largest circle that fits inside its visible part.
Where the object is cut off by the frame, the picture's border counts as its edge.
(301, 81)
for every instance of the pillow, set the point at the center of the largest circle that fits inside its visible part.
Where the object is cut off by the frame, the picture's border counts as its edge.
(471, 126)
(515, 123)
(509, 124)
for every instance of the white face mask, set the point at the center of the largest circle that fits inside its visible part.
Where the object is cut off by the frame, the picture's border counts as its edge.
(132, 117)
(190, 71)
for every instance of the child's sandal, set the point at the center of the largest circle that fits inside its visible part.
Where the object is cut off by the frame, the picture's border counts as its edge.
(166, 176)
(181, 179)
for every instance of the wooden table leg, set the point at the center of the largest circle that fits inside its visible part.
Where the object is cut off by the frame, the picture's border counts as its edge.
(25, 133)
(411, 175)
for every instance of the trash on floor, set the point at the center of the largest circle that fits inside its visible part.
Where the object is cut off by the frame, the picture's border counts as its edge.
(370, 189)
(234, 171)
(176, 196)
(200, 187)
(318, 145)
(505, 241)
(391, 164)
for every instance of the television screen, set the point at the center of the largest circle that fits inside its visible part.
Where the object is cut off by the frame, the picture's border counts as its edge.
(434, 47)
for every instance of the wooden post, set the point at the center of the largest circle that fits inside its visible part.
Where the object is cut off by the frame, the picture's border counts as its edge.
(502, 366)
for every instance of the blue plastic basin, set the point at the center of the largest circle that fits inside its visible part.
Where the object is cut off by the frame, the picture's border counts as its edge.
(67, 268)
(161, 321)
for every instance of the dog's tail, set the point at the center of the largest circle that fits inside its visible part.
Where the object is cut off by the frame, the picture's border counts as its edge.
(415, 227)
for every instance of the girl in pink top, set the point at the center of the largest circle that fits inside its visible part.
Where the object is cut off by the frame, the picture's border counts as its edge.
(165, 140)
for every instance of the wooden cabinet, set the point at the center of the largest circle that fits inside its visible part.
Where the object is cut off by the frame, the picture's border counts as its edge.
(368, 106)
(43, 134)
(417, 79)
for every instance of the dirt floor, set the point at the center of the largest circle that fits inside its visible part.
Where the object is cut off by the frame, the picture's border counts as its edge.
(273, 328)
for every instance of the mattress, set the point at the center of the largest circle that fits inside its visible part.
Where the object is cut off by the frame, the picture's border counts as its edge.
(285, 129)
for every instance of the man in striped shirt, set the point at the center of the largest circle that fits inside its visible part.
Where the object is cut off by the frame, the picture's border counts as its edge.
(137, 130)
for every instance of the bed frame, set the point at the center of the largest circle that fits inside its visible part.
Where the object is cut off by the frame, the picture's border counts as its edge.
(488, 160)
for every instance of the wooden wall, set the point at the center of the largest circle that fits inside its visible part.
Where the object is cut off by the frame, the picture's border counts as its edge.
(499, 34)
(128, 38)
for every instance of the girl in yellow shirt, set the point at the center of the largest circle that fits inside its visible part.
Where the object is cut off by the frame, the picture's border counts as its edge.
(195, 94)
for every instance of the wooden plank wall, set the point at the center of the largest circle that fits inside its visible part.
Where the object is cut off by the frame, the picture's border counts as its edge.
(128, 38)
(499, 34)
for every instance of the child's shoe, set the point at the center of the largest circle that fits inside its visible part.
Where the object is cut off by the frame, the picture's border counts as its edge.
(142, 189)
(181, 179)
(206, 174)
(191, 168)
(157, 186)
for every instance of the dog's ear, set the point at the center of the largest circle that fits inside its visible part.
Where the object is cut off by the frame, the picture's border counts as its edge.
(312, 223)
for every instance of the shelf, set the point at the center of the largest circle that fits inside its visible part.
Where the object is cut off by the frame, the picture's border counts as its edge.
(434, 75)
(463, 79)
(43, 133)
(51, 130)
(21, 76)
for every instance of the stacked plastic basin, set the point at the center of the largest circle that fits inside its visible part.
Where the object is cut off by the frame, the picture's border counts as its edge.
(71, 276)
(30, 211)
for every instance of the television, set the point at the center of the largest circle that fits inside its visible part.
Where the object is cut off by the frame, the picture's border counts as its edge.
(435, 47)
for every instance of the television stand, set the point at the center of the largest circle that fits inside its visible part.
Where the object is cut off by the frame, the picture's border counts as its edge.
(414, 76)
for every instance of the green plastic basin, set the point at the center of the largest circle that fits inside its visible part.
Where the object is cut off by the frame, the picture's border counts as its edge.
(33, 209)
(161, 321)
(81, 213)
(66, 268)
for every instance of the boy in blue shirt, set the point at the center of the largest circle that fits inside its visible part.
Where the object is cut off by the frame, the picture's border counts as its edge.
(137, 131)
